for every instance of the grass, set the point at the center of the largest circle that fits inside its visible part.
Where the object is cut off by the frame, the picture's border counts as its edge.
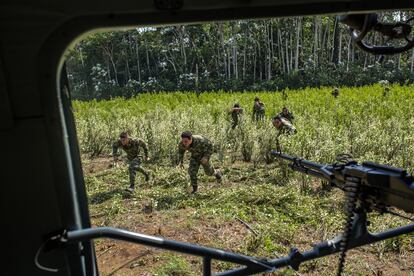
(283, 214)
(283, 208)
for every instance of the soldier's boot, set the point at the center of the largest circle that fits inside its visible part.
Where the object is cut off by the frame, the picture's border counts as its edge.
(131, 189)
(194, 189)
(132, 175)
(218, 176)
(147, 176)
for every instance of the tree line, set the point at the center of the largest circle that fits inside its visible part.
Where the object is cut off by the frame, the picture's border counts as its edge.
(246, 55)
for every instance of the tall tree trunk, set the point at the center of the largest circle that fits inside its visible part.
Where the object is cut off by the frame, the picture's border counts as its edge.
(282, 55)
(138, 63)
(340, 48)
(352, 51)
(81, 57)
(127, 72)
(196, 77)
(349, 54)
(147, 58)
(218, 57)
(171, 61)
(254, 64)
(336, 43)
(109, 51)
(325, 40)
(108, 69)
(259, 51)
(223, 48)
(272, 50)
(287, 55)
(315, 42)
(235, 70)
(399, 61)
(182, 47)
(268, 52)
(298, 28)
(412, 61)
(228, 63)
(366, 61)
(244, 63)
(115, 70)
(291, 52)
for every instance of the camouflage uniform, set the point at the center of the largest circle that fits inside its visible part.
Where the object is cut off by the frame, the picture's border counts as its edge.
(235, 114)
(200, 147)
(288, 116)
(258, 111)
(262, 111)
(286, 128)
(134, 158)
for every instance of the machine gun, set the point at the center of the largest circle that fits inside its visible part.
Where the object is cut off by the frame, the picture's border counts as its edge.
(368, 186)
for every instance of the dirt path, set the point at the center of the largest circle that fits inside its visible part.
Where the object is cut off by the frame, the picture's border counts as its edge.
(120, 258)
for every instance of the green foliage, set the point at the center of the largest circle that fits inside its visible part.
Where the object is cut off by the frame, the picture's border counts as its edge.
(284, 208)
(326, 126)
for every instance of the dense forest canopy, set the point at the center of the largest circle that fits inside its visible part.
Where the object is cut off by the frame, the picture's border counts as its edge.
(247, 55)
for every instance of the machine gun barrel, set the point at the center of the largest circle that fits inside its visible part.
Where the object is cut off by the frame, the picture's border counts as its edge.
(308, 167)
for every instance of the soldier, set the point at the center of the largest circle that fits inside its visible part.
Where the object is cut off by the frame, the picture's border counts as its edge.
(385, 86)
(286, 114)
(201, 149)
(132, 149)
(262, 111)
(284, 95)
(258, 110)
(335, 92)
(386, 91)
(235, 113)
(283, 125)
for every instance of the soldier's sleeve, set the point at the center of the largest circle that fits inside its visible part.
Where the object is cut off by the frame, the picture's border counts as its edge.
(115, 147)
(292, 129)
(208, 148)
(144, 146)
(181, 151)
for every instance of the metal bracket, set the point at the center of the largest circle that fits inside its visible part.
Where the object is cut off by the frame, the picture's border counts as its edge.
(251, 265)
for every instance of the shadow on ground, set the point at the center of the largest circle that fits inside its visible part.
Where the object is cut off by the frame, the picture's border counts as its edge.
(101, 197)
